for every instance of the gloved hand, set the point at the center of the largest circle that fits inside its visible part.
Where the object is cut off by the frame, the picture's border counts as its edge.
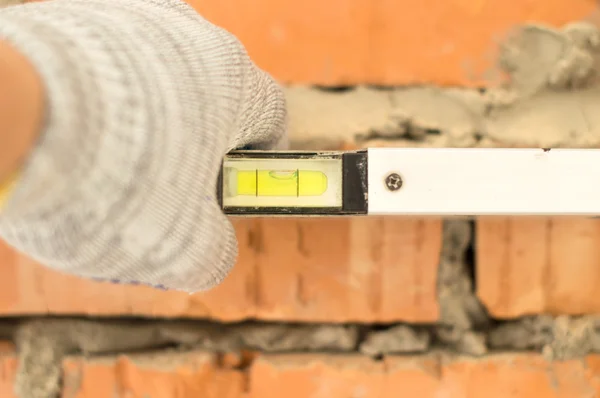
(144, 98)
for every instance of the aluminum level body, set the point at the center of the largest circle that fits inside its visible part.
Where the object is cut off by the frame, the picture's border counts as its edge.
(456, 182)
(474, 182)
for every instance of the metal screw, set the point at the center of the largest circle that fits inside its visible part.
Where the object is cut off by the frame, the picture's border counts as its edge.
(393, 182)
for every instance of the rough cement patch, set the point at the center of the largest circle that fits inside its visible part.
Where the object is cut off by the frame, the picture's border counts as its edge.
(549, 119)
(460, 310)
(452, 114)
(573, 338)
(538, 57)
(553, 91)
(463, 341)
(561, 338)
(530, 333)
(43, 343)
(396, 340)
(322, 118)
(415, 116)
(264, 337)
(433, 117)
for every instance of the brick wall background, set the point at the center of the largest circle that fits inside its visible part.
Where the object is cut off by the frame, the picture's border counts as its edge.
(386, 307)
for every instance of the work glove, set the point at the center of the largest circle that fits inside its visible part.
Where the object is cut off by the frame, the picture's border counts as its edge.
(144, 98)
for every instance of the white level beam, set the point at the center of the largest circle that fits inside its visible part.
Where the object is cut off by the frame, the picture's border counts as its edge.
(474, 182)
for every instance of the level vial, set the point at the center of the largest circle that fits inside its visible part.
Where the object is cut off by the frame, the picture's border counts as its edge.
(275, 182)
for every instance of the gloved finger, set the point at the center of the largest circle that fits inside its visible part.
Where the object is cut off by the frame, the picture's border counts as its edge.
(263, 122)
(209, 254)
(213, 263)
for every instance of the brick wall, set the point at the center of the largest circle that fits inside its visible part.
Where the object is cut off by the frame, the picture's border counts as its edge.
(195, 373)
(381, 42)
(343, 270)
(360, 307)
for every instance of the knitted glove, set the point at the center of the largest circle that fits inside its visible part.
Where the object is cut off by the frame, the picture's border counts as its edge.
(144, 98)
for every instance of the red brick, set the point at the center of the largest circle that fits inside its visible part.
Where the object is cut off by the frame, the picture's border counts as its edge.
(8, 369)
(387, 42)
(198, 374)
(341, 269)
(519, 376)
(191, 374)
(496, 376)
(316, 376)
(538, 265)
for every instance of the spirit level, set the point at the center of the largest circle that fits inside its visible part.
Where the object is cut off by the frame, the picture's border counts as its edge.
(411, 181)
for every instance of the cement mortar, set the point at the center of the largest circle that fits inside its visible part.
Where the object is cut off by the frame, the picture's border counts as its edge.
(460, 311)
(396, 340)
(399, 117)
(561, 338)
(538, 57)
(263, 337)
(43, 343)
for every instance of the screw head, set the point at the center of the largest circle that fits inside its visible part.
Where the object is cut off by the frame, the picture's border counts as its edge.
(393, 182)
